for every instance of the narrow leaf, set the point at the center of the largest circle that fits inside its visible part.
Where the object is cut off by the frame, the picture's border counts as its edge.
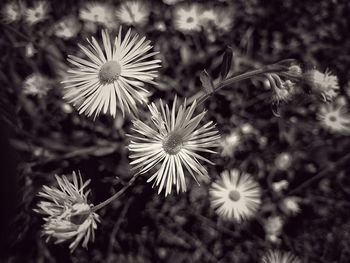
(207, 82)
(226, 62)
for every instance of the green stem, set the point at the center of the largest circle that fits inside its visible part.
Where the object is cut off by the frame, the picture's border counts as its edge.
(116, 195)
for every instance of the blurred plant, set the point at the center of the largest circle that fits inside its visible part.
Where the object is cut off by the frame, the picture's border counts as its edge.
(68, 27)
(36, 84)
(12, 11)
(229, 143)
(273, 228)
(283, 161)
(37, 13)
(235, 196)
(290, 205)
(99, 13)
(133, 12)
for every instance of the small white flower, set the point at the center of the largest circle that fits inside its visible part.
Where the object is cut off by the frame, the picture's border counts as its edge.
(99, 13)
(229, 143)
(334, 118)
(220, 18)
(187, 18)
(68, 215)
(283, 161)
(290, 205)
(275, 256)
(36, 85)
(280, 186)
(112, 75)
(325, 84)
(174, 140)
(37, 13)
(235, 196)
(133, 12)
(12, 11)
(67, 27)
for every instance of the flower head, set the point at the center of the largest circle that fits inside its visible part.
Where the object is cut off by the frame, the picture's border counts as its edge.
(37, 13)
(290, 205)
(173, 140)
(67, 27)
(220, 18)
(229, 143)
(113, 75)
(235, 196)
(325, 84)
(335, 118)
(36, 84)
(275, 256)
(12, 11)
(283, 161)
(273, 228)
(68, 215)
(187, 18)
(98, 13)
(133, 12)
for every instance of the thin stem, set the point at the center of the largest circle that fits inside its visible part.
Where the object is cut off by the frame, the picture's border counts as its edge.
(116, 195)
(246, 75)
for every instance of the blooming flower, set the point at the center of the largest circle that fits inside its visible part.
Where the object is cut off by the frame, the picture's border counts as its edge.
(68, 215)
(111, 77)
(172, 141)
(36, 84)
(67, 27)
(325, 84)
(229, 143)
(187, 18)
(99, 13)
(235, 196)
(133, 12)
(12, 11)
(275, 256)
(335, 118)
(37, 13)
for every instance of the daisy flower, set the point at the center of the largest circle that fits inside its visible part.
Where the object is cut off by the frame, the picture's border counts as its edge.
(326, 84)
(275, 256)
(173, 141)
(229, 143)
(235, 196)
(99, 13)
(112, 76)
(133, 13)
(37, 13)
(187, 18)
(12, 11)
(36, 84)
(334, 118)
(67, 27)
(68, 216)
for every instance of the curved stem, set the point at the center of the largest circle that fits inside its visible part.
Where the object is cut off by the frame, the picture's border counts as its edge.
(116, 195)
(246, 75)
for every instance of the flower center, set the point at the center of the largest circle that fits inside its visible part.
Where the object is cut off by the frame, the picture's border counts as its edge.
(172, 144)
(110, 71)
(234, 195)
(332, 118)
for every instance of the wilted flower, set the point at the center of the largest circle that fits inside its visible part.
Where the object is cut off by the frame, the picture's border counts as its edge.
(285, 93)
(283, 161)
(324, 84)
(37, 13)
(67, 27)
(290, 205)
(187, 18)
(172, 141)
(99, 13)
(275, 256)
(229, 143)
(68, 215)
(133, 12)
(12, 11)
(235, 196)
(273, 228)
(334, 118)
(113, 77)
(36, 84)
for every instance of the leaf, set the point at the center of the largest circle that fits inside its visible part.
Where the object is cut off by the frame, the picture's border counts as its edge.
(226, 62)
(207, 82)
